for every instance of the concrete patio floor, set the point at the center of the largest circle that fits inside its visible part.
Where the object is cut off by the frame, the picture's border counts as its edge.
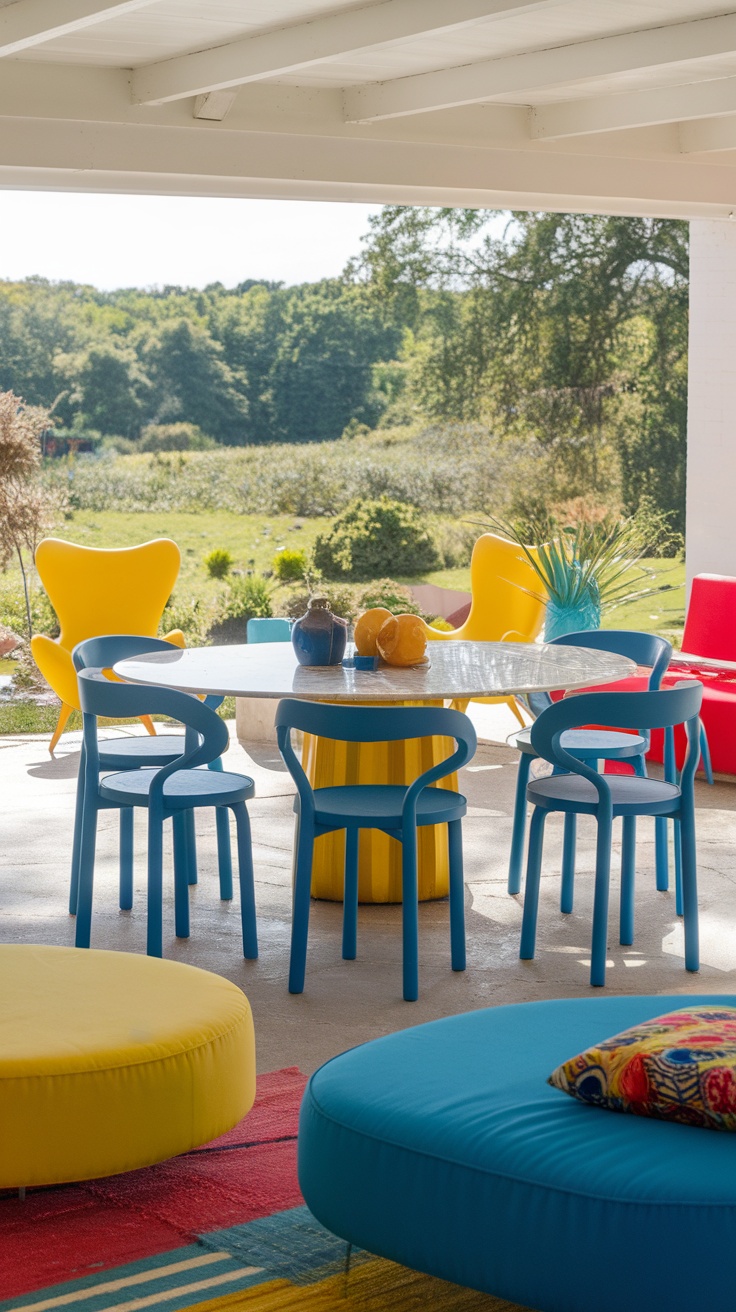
(345, 1003)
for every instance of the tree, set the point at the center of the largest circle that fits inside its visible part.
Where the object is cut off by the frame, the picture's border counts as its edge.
(192, 382)
(528, 329)
(110, 388)
(322, 373)
(27, 511)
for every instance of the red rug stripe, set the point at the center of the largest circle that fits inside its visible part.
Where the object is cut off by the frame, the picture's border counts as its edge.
(69, 1231)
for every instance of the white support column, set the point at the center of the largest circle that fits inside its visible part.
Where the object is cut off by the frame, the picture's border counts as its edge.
(711, 419)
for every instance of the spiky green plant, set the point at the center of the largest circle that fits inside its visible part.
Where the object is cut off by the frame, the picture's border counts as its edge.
(600, 562)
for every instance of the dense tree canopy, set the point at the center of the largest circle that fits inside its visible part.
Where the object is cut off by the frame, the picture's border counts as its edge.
(572, 328)
(566, 330)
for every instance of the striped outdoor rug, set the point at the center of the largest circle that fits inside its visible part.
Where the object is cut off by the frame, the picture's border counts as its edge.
(223, 1227)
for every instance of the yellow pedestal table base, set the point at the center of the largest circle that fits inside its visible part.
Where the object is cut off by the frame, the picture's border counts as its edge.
(328, 764)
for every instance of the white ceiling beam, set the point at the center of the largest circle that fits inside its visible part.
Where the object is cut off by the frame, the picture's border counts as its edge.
(709, 134)
(42, 90)
(198, 160)
(287, 49)
(635, 109)
(523, 74)
(29, 23)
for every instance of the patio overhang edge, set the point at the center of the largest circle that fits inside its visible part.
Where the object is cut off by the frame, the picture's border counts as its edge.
(77, 155)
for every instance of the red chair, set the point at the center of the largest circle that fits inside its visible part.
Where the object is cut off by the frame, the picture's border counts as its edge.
(709, 655)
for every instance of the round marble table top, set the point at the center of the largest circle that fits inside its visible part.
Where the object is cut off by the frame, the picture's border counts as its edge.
(454, 669)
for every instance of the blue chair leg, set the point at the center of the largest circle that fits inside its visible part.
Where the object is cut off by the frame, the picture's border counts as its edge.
(410, 913)
(661, 855)
(661, 841)
(678, 868)
(190, 849)
(86, 872)
(517, 833)
(300, 912)
(127, 815)
(690, 890)
(247, 884)
(154, 934)
(224, 853)
(181, 866)
(705, 754)
(531, 888)
(77, 843)
(600, 900)
(457, 894)
(628, 876)
(640, 767)
(568, 863)
(350, 897)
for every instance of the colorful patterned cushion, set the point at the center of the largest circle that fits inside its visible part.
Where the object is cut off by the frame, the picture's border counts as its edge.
(678, 1067)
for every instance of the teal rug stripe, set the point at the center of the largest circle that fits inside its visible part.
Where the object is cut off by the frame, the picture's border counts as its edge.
(289, 1245)
(162, 1285)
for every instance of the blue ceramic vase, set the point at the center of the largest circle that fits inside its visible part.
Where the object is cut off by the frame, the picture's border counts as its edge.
(319, 637)
(560, 620)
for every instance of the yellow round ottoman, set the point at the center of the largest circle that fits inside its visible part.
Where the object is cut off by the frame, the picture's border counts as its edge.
(109, 1061)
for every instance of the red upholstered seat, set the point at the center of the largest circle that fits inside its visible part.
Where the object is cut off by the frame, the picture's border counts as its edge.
(710, 625)
(710, 633)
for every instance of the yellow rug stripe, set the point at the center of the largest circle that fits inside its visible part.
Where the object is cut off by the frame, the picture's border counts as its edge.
(112, 1286)
(166, 1295)
(375, 1286)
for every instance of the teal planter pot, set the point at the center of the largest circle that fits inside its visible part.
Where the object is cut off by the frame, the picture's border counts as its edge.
(560, 620)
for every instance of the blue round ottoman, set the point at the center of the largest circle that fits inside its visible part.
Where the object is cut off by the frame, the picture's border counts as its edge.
(442, 1147)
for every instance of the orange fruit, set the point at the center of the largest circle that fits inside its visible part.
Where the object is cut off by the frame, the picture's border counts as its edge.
(366, 630)
(402, 640)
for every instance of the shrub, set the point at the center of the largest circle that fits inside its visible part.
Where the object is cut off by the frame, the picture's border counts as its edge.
(455, 542)
(343, 600)
(452, 469)
(248, 598)
(218, 563)
(392, 596)
(371, 537)
(174, 437)
(13, 610)
(289, 566)
(195, 617)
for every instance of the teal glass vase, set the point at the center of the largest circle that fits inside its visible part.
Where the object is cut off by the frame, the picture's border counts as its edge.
(560, 620)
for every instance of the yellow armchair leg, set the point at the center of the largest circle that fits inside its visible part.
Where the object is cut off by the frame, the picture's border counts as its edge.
(150, 726)
(514, 705)
(64, 714)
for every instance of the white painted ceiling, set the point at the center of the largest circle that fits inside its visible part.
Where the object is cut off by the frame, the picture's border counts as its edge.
(306, 97)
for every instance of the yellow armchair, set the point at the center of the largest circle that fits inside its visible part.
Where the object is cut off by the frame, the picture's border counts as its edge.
(96, 591)
(500, 610)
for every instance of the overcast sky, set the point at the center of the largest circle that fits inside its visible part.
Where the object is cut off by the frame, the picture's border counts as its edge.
(144, 241)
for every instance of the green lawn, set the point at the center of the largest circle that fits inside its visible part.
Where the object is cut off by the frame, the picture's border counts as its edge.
(252, 539)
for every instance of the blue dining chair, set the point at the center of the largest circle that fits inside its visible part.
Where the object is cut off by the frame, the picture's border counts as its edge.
(646, 649)
(168, 792)
(130, 753)
(582, 790)
(395, 809)
(268, 629)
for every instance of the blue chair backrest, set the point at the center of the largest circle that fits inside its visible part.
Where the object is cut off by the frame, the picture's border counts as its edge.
(268, 630)
(99, 695)
(103, 652)
(661, 709)
(644, 648)
(373, 724)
